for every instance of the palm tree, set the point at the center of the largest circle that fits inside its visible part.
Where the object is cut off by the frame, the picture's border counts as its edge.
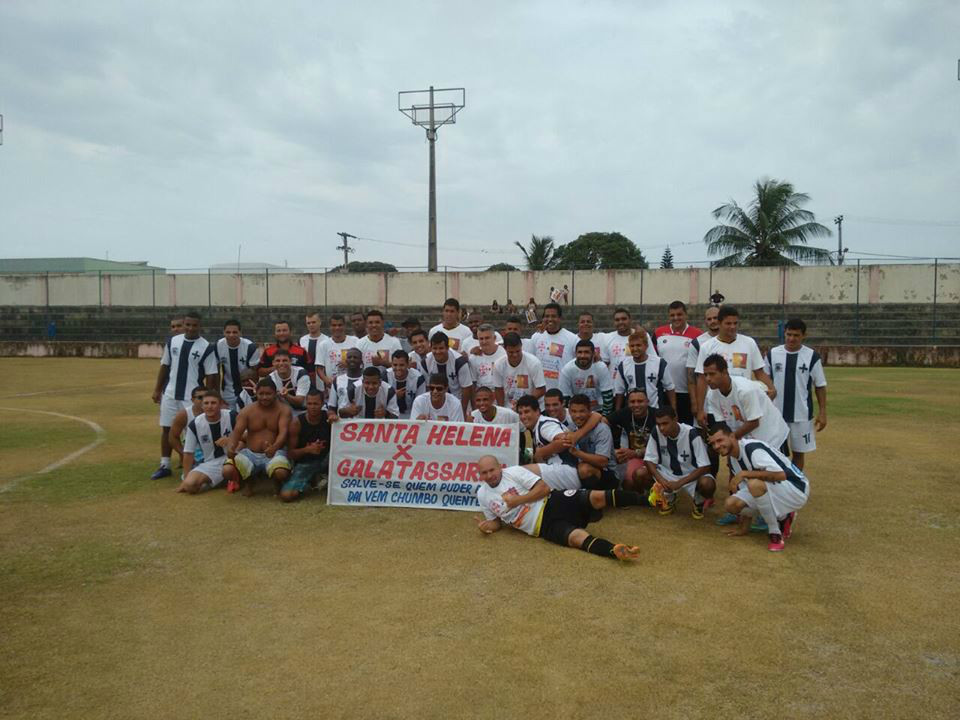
(773, 230)
(539, 256)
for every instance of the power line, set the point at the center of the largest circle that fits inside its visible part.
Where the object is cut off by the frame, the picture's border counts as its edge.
(902, 221)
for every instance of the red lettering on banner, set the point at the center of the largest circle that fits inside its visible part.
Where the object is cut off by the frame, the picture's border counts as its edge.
(366, 433)
(460, 472)
(402, 451)
(436, 434)
(343, 467)
(472, 472)
(348, 432)
(430, 471)
(403, 465)
(386, 470)
(417, 472)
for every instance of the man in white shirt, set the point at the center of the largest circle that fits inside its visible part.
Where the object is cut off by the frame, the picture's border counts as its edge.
(517, 496)
(188, 361)
(740, 351)
(555, 346)
(311, 341)
(471, 346)
(797, 373)
(484, 356)
(616, 345)
(676, 458)
(437, 403)
(712, 326)
(585, 332)
(486, 411)
(377, 348)
(762, 480)
(331, 357)
(517, 374)
(742, 404)
(514, 324)
(584, 375)
(450, 325)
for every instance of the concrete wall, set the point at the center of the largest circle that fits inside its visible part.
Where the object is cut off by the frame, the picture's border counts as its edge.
(809, 285)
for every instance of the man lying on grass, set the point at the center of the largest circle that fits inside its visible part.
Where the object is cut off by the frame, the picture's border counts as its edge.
(518, 496)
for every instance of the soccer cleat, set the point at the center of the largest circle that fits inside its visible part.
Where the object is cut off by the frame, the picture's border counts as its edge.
(668, 503)
(697, 513)
(759, 525)
(161, 473)
(786, 525)
(232, 486)
(626, 552)
(728, 519)
(776, 542)
(708, 503)
(654, 497)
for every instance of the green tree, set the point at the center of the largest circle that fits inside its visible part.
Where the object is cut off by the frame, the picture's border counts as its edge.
(360, 266)
(773, 229)
(539, 254)
(502, 267)
(599, 251)
(666, 260)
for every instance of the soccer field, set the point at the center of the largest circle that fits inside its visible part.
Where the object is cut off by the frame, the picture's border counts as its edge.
(121, 598)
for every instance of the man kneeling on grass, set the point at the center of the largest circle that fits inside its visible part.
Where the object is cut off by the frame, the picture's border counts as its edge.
(208, 432)
(762, 480)
(517, 496)
(263, 426)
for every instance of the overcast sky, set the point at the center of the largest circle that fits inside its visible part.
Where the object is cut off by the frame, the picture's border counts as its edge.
(175, 132)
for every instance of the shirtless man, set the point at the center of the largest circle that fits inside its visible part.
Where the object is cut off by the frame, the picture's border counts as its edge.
(265, 424)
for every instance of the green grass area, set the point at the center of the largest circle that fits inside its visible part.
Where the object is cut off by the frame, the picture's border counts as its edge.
(121, 598)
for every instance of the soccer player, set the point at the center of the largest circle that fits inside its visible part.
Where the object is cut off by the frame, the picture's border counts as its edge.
(188, 360)
(554, 406)
(182, 419)
(743, 404)
(308, 445)
(761, 480)
(208, 432)
(406, 382)
(377, 348)
(437, 403)
(248, 393)
(585, 332)
(635, 422)
(379, 399)
(420, 349)
(676, 458)
(712, 324)
(555, 346)
(331, 357)
(176, 325)
(672, 342)
(593, 451)
(797, 371)
(235, 354)
(486, 411)
(471, 346)
(484, 356)
(740, 352)
(453, 365)
(263, 428)
(451, 326)
(408, 326)
(292, 383)
(351, 375)
(281, 335)
(551, 445)
(519, 373)
(645, 371)
(519, 497)
(615, 345)
(584, 375)
(314, 337)
(359, 322)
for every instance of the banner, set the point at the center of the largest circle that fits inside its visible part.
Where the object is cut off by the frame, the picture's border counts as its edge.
(413, 463)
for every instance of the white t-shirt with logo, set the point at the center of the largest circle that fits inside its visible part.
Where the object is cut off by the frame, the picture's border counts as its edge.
(554, 351)
(742, 355)
(504, 416)
(385, 347)
(481, 366)
(452, 408)
(515, 480)
(456, 337)
(331, 354)
(748, 400)
(520, 380)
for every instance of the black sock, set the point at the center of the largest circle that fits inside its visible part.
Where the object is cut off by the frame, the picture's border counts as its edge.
(624, 498)
(598, 546)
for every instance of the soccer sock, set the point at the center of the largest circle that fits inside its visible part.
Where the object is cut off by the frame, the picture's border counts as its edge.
(597, 546)
(765, 506)
(624, 498)
(165, 462)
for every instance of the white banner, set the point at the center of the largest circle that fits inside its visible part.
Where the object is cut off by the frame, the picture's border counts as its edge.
(411, 463)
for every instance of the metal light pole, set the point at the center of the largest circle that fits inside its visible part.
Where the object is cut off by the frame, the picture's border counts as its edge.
(422, 108)
(838, 220)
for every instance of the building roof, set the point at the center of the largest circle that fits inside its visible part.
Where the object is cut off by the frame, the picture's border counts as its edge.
(72, 265)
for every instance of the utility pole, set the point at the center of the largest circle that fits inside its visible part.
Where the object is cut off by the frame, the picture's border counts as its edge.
(346, 248)
(838, 220)
(422, 108)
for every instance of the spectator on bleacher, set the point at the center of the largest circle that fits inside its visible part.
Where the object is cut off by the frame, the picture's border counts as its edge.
(797, 370)
(331, 355)
(717, 298)
(450, 325)
(555, 346)
(673, 342)
(298, 356)
(495, 307)
(311, 341)
(188, 360)
(740, 352)
(235, 354)
(634, 422)
(377, 347)
(510, 308)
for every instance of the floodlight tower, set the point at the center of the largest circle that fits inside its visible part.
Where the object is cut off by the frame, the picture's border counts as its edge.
(423, 109)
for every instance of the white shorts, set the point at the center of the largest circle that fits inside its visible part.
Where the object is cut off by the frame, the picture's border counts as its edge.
(802, 438)
(560, 477)
(690, 488)
(169, 409)
(785, 496)
(249, 463)
(212, 470)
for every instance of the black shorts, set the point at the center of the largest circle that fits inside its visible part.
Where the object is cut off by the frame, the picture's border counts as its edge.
(683, 408)
(565, 511)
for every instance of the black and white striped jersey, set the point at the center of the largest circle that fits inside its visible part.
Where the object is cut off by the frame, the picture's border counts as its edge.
(190, 361)
(412, 385)
(233, 361)
(758, 455)
(680, 455)
(650, 375)
(310, 344)
(203, 434)
(456, 369)
(795, 374)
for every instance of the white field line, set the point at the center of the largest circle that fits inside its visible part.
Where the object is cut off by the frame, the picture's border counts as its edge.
(67, 390)
(101, 436)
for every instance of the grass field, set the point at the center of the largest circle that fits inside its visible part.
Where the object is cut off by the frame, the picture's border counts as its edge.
(122, 599)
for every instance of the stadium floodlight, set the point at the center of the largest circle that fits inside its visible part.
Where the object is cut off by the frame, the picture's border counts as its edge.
(430, 109)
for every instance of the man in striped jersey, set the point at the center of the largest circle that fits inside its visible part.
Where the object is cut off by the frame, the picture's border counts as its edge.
(797, 372)
(645, 371)
(235, 354)
(210, 433)
(455, 366)
(676, 457)
(370, 398)
(188, 360)
(406, 382)
(551, 446)
(312, 340)
(762, 481)
(292, 383)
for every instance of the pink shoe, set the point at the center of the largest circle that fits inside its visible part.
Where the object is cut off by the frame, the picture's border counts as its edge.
(776, 542)
(786, 525)
(232, 486)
